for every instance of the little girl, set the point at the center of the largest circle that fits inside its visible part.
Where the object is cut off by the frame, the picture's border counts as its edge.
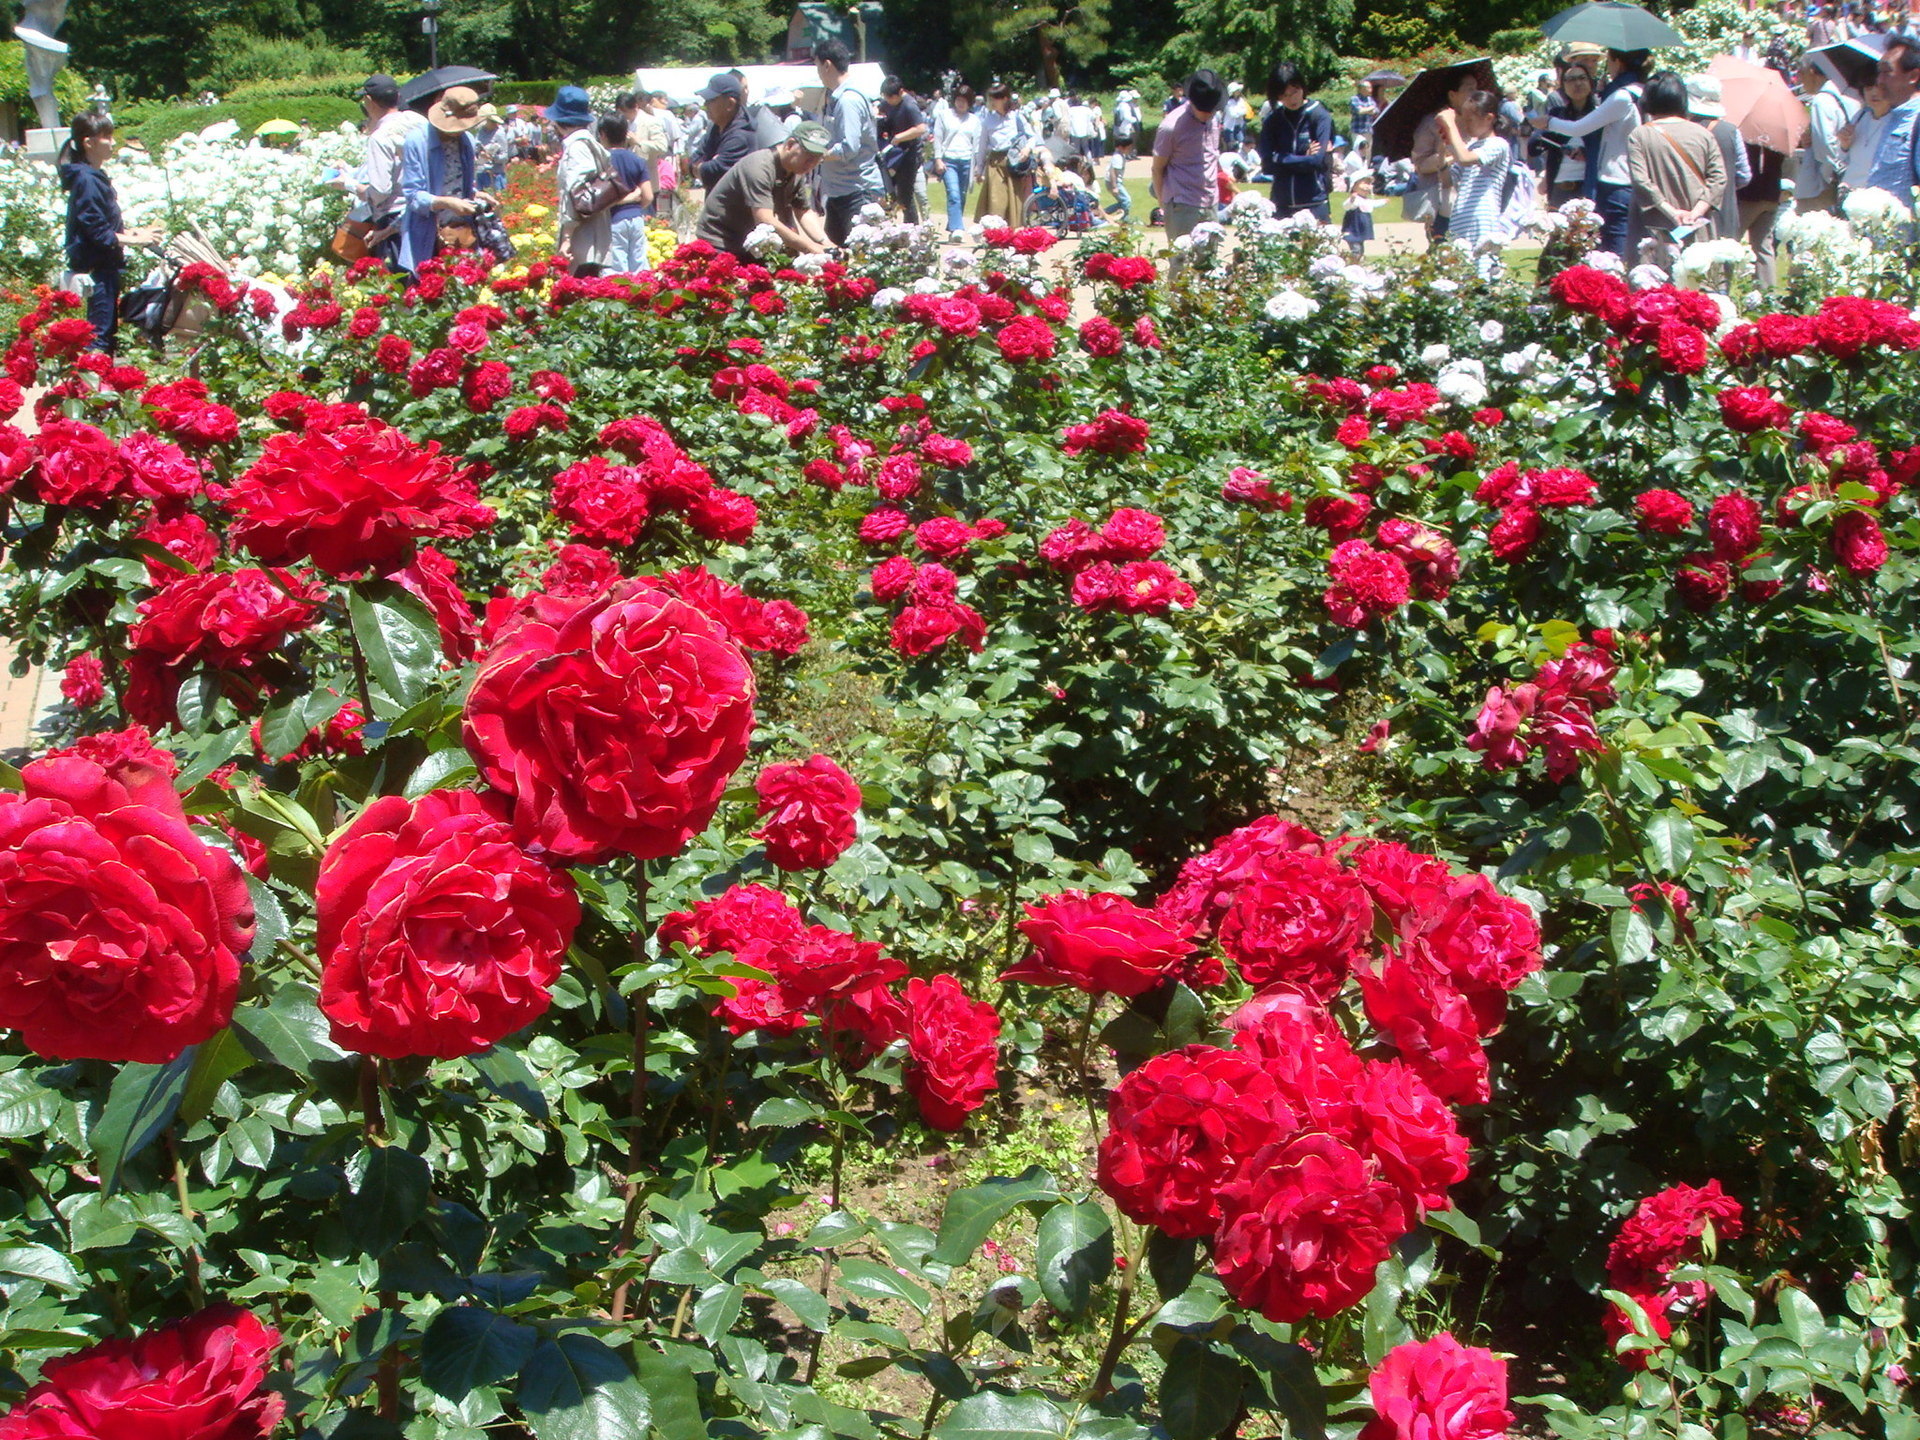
(1357, 226)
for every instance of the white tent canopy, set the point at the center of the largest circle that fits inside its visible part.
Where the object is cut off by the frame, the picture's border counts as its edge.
(682, 83)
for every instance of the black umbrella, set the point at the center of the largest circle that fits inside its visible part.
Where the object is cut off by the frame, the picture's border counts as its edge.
(425, 87)
(1852, 64)
(1612, 24)
(1387, 78)
(1425, 93)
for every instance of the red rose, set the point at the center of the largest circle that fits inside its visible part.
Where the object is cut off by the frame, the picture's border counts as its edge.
(944, 536)
(1430, 1023)
(811, 812)
(1367, 583)
(1594, 292)
(83, 684)
(1485, 943)
(1150, 587)
(614, 722)
(1783, 336)
(1180, 1127)
(1514, 534)
(946, 452)
(1341, 516)
(78, 465)
(1664, 1232)
(1353, 432)
(1099, 336)
(434, 580)
(1823, 431)
(1073, 546)
(921, 628)
(1749, 409)
(724, 515)
(1133, 534)
(1681, 347)
(1111, 432)
(197, 1379)
(1733, 527)
(1439, 1390)
(1303, 922)
(1026, 337)
(1662, 512)
(1703, 582)
(1432, 562)
(1858, 543)
(1097, 587)
(884, 525)
(1208, 883)
(121, 931)
(737, 922)
(953, 1051)
(354, 501)
(892, 578)
(1302, 1228)
(1103, 944)
(437, 934)
(1410, 1133)
(224, 620)
(601, 502)
(393, 354)
(1842, 330)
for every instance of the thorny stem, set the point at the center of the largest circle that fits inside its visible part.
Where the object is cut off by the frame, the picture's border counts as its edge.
(636, 1098)
(190, 1269)
(373, 1130)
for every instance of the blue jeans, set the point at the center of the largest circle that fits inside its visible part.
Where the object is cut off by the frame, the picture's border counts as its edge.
(103, 309)
(959, 175)
(1615, 203)
(629, 255)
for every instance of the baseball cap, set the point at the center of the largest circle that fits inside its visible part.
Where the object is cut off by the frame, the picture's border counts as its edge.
(722, 84)
(812, 137)
(382, 89)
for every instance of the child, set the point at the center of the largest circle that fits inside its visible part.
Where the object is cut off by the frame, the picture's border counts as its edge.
(1357, 226)
(1114, 177)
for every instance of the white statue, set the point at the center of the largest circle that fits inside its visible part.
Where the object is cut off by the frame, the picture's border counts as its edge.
(45, 56)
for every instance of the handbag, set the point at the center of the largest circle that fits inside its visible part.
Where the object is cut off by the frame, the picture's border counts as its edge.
(598, 192)
(350, 240)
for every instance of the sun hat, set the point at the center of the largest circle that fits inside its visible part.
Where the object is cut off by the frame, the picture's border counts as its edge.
(456, 111)
(1703, 97)
(489, 112)
(570, 107)
(812, 137)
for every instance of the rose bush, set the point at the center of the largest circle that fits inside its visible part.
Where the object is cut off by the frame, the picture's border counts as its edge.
(1449, 752)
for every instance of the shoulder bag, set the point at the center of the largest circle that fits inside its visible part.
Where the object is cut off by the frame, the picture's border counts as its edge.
(597, 192)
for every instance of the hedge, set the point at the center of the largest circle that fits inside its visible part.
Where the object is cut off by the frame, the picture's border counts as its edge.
(153, 125)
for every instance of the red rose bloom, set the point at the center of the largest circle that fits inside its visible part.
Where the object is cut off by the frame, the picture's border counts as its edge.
(1103, 944)
(83, 684)
(121, 931)
(78, 465)
(601, 502)
(946, 452)
(614, 722)
(1099, 336)
(1133, 534)
(811, 812)
(1367, 583)
(1733, 526)
(1858, 542)
(1410, 1133)
(1439, 1390)
(1593, 292)
(1414, 1006)
(197, 1379)
(921, 628)
(892, 578)
(1148, 587)
(1111, 432)
(953, 1051)
(1303, 922)
(1703, 582)
(1682, 348)
(354, 501)
(1664, 1232)
(1302, 1228)
(437, 935)
(1514, 534)
(1180, 1127)
(1353, 432)
(1662, 512)
(1749, 409)
(1025, 337)
(884, 525)
(1784, 336)
(943, 536)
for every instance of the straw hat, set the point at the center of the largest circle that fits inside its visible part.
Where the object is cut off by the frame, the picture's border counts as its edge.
(456, 111)
(1704, 98)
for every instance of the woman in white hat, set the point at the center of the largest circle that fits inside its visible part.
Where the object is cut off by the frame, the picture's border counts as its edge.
(1707, 108)
(437, 166)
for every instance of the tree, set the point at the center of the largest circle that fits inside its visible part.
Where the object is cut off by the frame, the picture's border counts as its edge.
(1041, 34)
(1245, 38)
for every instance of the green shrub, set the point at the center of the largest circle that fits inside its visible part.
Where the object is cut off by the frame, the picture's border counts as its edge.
(1512, 42)
(154, 125)
(241, 55)
(344, 83)
(69, 88)
(526, 92)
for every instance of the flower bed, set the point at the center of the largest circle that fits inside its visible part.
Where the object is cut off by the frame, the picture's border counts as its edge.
(571, 789)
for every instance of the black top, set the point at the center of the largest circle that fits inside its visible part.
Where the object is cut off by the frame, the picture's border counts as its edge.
(93, 220)
(724, 149)
(904, 114)
(1767, 166)
(1298, 178)
(631, 171)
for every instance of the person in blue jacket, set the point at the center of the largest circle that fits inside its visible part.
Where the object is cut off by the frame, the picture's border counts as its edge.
(96, 245)
(437, 177)
(1296, 146)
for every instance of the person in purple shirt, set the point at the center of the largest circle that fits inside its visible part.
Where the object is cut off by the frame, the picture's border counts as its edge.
(1186, 156)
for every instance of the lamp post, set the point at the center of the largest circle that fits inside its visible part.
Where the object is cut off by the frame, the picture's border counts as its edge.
(430, 27)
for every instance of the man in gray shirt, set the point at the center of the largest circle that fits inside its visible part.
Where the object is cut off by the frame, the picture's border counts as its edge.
(764, 189)
(850, 173)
